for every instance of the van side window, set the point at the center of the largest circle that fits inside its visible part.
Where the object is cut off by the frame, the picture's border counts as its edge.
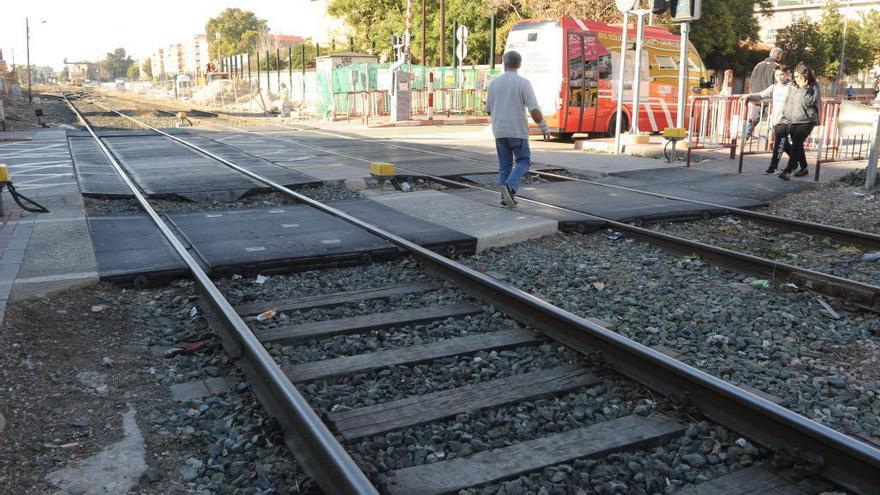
(575, 70)
(533, 36)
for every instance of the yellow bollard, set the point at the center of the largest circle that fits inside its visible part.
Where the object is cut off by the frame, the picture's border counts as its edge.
(4, 174)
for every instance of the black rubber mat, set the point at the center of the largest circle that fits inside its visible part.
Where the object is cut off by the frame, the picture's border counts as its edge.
(568, 221)
(426, 234)
(163, 168)
(279, 239)
(708, 186)
(625, 206)
(95, 175)
(128, 247)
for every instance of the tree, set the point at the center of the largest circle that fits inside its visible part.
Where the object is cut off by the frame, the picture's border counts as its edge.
(148, 70)
(375, 21)
(857, 53)
(134, 73)
(802, 42)
(116, 64)
(64, 75)
(232, 32)
(869, 32)
(596, 10)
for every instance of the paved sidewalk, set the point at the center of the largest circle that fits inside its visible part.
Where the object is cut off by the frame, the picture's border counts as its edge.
(42, 252)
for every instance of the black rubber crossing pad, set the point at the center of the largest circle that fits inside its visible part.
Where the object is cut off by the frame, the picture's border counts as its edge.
(426, 234)
(625, 206)
(568, 221)
(291, 238)
(96, 176)
(130, 246)
(162, 168)
(708, 186)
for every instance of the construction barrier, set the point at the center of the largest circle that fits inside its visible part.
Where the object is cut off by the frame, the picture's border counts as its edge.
(826, 139)
(714, 122)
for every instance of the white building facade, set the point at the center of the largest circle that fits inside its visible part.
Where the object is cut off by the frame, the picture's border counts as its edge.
(786, 12)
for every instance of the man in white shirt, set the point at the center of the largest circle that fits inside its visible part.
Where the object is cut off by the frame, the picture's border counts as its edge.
(509, 96)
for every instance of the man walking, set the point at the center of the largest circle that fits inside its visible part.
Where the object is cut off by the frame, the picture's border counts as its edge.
(761, 79)
(509, 96)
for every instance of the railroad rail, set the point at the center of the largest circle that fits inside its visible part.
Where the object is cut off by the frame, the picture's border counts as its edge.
(863, 295)
(847, 462)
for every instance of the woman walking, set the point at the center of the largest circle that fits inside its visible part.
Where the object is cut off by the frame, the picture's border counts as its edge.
(778, 91)
(801, 113)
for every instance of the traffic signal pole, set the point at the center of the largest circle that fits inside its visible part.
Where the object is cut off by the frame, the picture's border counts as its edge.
(682, 74)
(620, 82)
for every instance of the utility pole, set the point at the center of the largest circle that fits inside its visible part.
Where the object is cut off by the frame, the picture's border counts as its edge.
(442, 33)
(424, 34)
(840, 68)
(492, 42)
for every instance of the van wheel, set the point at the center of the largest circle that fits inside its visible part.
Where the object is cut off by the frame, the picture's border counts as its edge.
(624, 125)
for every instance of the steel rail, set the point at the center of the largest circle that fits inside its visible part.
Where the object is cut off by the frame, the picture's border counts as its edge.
(847, 461)
(863, 295)
(323, 457)
(849, 236)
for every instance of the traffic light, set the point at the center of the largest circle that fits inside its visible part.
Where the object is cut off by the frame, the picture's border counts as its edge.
(660, 6)
(683, 10)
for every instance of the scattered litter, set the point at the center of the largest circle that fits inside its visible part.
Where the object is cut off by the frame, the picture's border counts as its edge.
(599, 285)
(70, 445)
(791, 285)
(614, 236)
(266, 315)
(405, 186)
(189, 348)
(731, 220)
(761, 284)
(741, 442)
(106, 361)
(859, 193)
(828, 309)
(193, 312)
(236, 276)
(261, 279)
(848, 250)
(98, 308)
(870, 257)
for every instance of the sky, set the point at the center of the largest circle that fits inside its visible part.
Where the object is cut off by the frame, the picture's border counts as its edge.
(89, 29)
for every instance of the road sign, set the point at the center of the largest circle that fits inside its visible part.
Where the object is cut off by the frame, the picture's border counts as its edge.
(462, 33)
(625, 5)
(461, 51)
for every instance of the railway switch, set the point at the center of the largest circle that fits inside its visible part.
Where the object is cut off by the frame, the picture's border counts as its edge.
(383, 171)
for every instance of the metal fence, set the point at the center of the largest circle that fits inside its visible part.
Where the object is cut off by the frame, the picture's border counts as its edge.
(728, 121)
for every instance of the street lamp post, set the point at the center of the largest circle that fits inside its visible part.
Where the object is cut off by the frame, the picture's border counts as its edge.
(27, 31)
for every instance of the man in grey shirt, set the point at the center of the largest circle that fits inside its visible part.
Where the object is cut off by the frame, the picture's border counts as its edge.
(509, 96)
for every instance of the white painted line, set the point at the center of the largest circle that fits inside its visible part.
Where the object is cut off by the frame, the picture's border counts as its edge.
(289, 225)
(56, 278)
(256, 248)
(28, 164)
(42, 186)
(213, 215)
(330, 241)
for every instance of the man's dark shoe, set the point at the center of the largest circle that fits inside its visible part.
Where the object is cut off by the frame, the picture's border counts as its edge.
(784, 176)
(770, 171)
(507, 197)
(802, 172)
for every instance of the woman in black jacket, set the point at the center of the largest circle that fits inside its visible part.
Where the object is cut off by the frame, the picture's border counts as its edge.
(801, 113)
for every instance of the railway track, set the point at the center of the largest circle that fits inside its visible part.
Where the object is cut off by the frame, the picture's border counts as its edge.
(569, 368)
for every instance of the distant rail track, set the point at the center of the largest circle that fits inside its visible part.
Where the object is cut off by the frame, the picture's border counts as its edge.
(584, 354)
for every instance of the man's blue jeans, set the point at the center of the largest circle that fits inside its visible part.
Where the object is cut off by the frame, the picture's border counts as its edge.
(508, 149)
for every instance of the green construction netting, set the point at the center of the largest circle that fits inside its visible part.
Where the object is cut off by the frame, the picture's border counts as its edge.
(334, 90)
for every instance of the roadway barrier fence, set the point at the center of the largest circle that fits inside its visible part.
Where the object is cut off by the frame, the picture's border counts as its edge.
(734, 121)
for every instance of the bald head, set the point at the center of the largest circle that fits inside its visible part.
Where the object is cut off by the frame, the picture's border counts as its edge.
(512, 60)
(776, 53)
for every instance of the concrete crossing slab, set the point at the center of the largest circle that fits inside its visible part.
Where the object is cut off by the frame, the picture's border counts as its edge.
(491, 225)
